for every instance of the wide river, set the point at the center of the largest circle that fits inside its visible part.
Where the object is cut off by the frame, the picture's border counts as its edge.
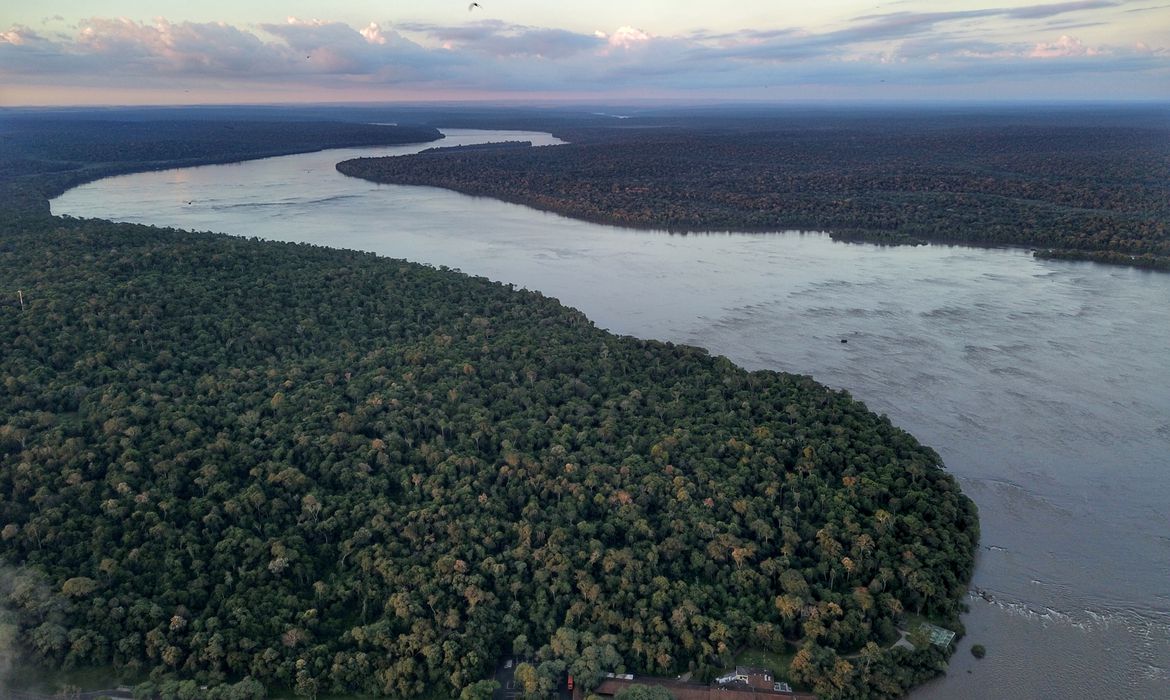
(1044, 385)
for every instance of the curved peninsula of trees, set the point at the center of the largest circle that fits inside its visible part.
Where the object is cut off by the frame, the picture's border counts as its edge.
(1063, 181)
(229, 461)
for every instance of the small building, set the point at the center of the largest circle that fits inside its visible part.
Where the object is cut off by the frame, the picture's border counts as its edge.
(941, 637)
(760, 678)
(755, 684)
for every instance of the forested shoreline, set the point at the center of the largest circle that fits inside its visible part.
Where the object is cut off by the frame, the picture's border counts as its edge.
(1070, 186)
(41, 156)
(231, 461)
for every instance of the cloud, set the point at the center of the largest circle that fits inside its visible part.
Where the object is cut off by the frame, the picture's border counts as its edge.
(1059, 8)
(626, 38)
(336, 48)
(1054, 26)
(1146, 9)
(895, 26)
(186, 47)
(112, 50)
(1041, 11)
(20, 36)
(905, 49)
(496, 38)
(373, 34)
(1063, 47)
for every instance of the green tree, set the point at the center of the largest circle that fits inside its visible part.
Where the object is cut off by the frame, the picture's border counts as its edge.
(638, 691)
(480, 690)
(526, 678)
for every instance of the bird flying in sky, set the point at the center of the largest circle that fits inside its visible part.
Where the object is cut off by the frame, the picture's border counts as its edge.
(472, 6)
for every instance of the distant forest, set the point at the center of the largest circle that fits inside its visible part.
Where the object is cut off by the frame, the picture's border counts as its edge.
(42, 155)
(260, 466)
(1078, 184)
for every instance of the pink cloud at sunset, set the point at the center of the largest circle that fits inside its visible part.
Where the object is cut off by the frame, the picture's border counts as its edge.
(893, 55)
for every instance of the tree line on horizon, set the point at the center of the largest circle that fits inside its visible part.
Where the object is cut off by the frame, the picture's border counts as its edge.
(1076, 189)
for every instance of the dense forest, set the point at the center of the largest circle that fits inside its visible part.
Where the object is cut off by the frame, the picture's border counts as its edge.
(244, 464)
(1070, 185)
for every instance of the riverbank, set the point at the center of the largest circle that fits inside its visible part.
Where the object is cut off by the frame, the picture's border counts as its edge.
(43, 155)
(1068, 185)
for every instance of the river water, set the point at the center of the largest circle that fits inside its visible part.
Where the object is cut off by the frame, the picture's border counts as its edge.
(1044, 385)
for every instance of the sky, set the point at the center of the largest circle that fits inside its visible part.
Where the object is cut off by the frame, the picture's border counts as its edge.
(82, 52)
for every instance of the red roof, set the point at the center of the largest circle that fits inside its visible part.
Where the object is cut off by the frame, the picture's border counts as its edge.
(697, 691)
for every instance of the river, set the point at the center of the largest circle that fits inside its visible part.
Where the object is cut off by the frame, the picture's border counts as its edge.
(1044, 385)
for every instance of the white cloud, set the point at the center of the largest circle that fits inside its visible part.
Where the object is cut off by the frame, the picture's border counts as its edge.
(1064, 47)
(628, 37)
(373, 34)
(19, 36)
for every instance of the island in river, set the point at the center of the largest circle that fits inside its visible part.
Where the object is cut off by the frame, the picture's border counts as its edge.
(231, 461)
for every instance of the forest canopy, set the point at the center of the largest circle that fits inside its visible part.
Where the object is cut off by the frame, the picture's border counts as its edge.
(225, 459)
(1077, 183)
